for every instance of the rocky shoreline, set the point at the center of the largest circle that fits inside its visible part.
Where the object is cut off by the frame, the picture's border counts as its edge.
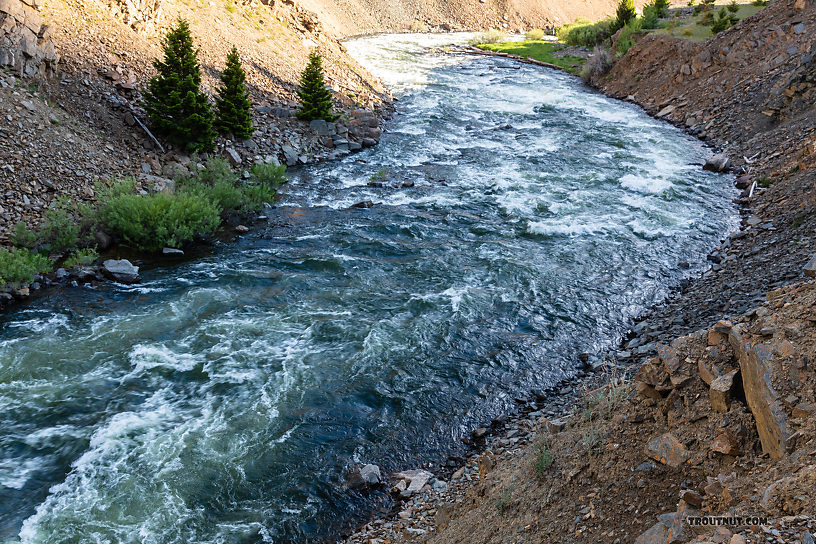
(745, 283)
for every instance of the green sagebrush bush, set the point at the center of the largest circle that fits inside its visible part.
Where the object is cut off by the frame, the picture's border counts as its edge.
(21, 265)
(535, 34)
(219, 184)
(275, 175)
(153, 221)
(585, 33)
(20, 236)
(83, 257)
(627, 36)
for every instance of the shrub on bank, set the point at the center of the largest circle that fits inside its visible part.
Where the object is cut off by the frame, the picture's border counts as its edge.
(535, 34)
(82, 257)
(585, 33)
(59, 231)
(274, 175)
(626, 39)
(597, 65)
(219, 184)
(491, 36)
(155, 221)
(18, 267)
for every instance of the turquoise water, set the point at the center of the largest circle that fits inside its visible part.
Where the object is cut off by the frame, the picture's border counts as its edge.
(222, 400)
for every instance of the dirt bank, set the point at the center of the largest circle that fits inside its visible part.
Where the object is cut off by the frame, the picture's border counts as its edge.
(713, 413)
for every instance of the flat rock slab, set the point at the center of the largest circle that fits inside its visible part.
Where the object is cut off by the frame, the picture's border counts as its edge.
(755, 360)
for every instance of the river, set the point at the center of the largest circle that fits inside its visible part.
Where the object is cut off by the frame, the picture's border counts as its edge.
(523, 219)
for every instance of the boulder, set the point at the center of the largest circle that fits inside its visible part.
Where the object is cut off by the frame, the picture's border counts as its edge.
(323, 128)
(717, 163)
(121, 270)
(486, 462)
(289, 155)
(233, 157)
(810, 267)
(726, 443)
(415, 480)
(172, 251)
(669, 529)
(364, 477)
(755, 360)
(667, 450)
(83, 273)
(722, 390)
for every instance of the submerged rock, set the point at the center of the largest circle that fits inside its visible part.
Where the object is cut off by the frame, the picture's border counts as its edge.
(121, 270)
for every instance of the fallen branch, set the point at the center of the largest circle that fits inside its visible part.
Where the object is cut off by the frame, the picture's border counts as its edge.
(155, 141)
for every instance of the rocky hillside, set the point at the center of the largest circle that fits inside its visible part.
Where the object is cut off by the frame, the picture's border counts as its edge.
(352, 17)
(70, 95)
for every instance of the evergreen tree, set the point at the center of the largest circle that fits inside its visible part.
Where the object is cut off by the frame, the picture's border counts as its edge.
(626, 12)
(315, 98)
(178, 109)
(232, 107)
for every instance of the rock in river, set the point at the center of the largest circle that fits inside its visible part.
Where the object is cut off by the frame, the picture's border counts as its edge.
(121, 270)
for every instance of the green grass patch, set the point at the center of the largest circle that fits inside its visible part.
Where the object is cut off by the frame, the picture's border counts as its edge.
(765, 182)
(538, 50)
(543, 459)
(694, 27)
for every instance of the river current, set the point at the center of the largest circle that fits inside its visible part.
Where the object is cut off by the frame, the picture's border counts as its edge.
(522, 219)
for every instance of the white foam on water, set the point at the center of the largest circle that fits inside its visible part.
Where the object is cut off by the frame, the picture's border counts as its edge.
(573, 227)
(15, 472)
(147, 357)
(643, 184)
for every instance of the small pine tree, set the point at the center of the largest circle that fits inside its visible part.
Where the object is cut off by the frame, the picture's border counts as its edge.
(662, 7)
(232, 107)
(315, 98)
(626, 12)
(178, 109)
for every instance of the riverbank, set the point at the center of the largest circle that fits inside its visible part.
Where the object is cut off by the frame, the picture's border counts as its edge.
(684, 429)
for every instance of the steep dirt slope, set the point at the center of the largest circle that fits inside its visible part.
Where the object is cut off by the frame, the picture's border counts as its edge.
(352, 17)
